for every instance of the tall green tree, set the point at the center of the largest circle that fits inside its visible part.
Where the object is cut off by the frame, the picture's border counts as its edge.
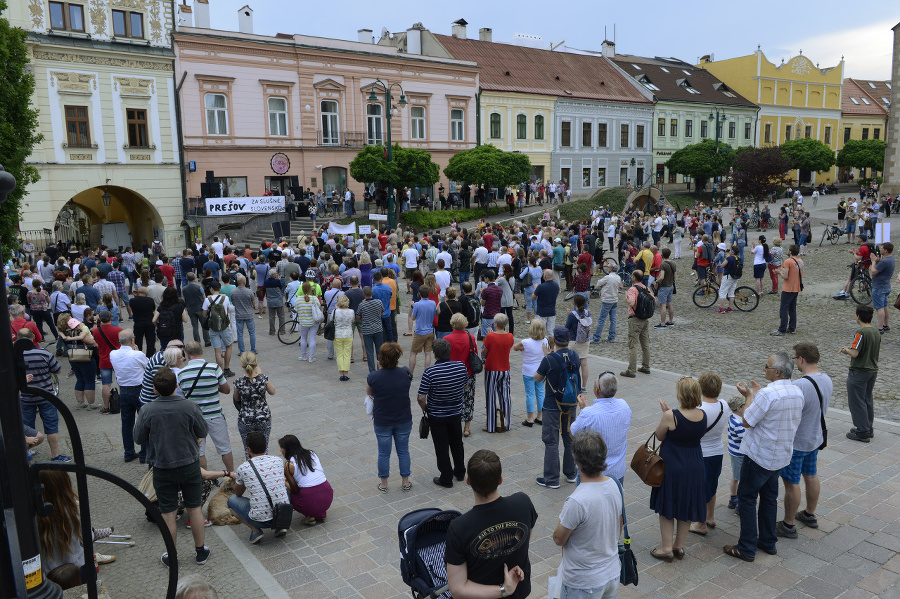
(408, 167)
(759, 172)
(807, 154)
(701, 161)
(18, 125)
(862, 153)
(490, 166)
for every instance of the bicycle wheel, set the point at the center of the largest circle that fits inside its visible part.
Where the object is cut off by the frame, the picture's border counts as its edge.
(609, 265)
(861, 290)
(824, 235)
(289, 332)
(706, 294)
(753, 222)
(570, 295)
(746, 299)
(835, 237)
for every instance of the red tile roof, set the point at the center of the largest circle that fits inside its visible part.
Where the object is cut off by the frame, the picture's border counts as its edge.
(865, 98)
(509, 68)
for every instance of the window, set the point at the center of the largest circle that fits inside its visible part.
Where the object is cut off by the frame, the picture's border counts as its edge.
(732, 130)
(373, 124)
(846, 134)
(689, 128)
(586, 136)
(854, 100)
(521, 126)
(885, 100)
(704, 129)
(539, 127)
(585, 178)
(417, 116)
(639, 134)
(77, 127)
(661, 127)
(601, 135)
(827, 136)
(872, 85)
(876, 133)
(787, 133)
(673, 127)
(566, 134)
(277, 116)
(457, 125)
(495, 126)
(601, 177)
(807, 132)
(623, 136)
(66, 16)
(747, 130)
(664, 69)
(768, 134)
(127, 24)
(729, 94)
(137, 128)
(673, 177)
(866, 102)
(216, 114)
(865, 133)
(329, 123)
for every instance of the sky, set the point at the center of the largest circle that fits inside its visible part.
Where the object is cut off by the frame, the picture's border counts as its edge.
(824, 30)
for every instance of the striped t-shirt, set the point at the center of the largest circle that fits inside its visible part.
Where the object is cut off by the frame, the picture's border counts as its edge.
(147, 392)
(206, 392)
(40, 363)
(369, 312)
(735, 435)
(443, 384)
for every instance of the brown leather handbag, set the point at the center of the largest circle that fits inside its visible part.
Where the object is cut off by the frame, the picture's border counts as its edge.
(647, 464)
(897, 302)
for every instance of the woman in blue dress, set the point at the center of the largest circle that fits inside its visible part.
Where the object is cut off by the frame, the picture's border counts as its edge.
(682, 495)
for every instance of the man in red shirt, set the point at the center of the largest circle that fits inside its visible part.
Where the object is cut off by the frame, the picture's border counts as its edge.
(585, 258)
(703, 255)
(488, 239)
(19, 322)
(863, 261)
(168, 271)
(107, 338)
(655, 265)
(383, 240)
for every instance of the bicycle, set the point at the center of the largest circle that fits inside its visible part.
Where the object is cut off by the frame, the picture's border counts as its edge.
(832, 233)
(608, 265)
(861, 287)
(289, 331)
(706, 292)
(745, 298)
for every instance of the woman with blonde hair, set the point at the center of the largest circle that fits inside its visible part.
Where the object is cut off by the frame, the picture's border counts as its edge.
(250, 400)
(309, 326)
(533, 349)
(365, 269)
(343, 318)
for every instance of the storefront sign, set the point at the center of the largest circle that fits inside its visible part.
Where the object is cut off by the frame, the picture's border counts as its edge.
(280, 163)
(251, 205)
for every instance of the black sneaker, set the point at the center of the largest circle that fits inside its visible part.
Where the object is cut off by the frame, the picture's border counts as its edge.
(228, 373)
(659, 326)
(856, 436)
(544, 483)
(202, 555)
(809, 520)
(782, 530)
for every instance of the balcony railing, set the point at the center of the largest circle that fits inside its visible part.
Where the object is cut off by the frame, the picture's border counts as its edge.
(341, 139)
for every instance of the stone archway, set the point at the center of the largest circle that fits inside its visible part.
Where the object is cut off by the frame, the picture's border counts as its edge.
(639, 199)
(125, 206)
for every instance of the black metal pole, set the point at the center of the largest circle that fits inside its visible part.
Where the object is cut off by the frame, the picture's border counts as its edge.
(19, 516)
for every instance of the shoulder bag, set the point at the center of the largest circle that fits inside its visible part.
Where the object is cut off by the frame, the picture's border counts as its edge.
(821, 412)
(647, 464)
(281, 512)
(475, 361)
(424, 427)
(328, 330)
(317, 310)
(78, 351)
(629, 572)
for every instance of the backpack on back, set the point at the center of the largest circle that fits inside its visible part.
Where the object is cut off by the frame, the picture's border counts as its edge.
(708, 251)
(165, 324)
(218, 315)
(583, 333)
(568, 383)
(645, 305)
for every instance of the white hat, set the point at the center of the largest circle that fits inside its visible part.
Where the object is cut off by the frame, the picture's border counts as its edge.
(721, 246)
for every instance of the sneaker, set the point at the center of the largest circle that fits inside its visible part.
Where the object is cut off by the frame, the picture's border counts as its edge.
(229, 373)
(102, 533)
(256, 537)
(206, 523)
(659, 326)
(729, 309)
(164, 558)
(572, 480)
(840, 295)
(720, 310)
(809, 520)
(856, 436)
(777, 333)
(302, 358)
(670, 324)
(61, 458)
(783, 530)
(101, 558)
(542, 482)
(203, 554)
(281, 532)
(733, 503)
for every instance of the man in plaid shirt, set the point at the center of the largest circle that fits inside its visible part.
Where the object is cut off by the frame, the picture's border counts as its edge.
(128, 264)
(117, 278)
(176, 264)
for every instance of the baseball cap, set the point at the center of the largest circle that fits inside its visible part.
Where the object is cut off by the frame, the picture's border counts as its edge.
(561, 335)
(73, 323)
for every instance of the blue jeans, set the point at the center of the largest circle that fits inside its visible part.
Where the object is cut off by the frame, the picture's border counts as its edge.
(529, 303)
(533, 391)
(251, 330)
(387, 329)
(606, 309)
(85, 373)
(803, 239)
(373, 344)
(399, 434)
(241, 507)
(741, 247)
(463, 277)
(755, 482)
(610, 590)
(487, 325)
(556, 425)
(129, 399)
(788, 311)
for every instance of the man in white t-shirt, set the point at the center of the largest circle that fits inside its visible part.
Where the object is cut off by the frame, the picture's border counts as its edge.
(479, 260)
(657, 229)
(256, 510)
(442, 277)
(221, 340)
(218, 247)
(410, 263)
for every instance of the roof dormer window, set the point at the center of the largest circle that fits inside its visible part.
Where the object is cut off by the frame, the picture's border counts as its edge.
(854, 100)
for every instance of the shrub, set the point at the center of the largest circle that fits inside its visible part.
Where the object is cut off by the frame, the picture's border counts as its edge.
(426, 219)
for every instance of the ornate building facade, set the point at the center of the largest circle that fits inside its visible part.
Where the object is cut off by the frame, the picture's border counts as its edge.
(105, 92)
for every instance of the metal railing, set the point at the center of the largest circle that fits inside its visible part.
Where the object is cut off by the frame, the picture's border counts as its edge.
(341, 139)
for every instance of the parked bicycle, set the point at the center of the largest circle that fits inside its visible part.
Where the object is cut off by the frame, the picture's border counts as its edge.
(746, 299)
(832, 233)
(861, 286)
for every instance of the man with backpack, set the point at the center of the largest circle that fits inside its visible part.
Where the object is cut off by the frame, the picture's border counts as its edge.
(641, 306)
(560, 371)
(732, 271)
(705, 254)
(215, 314)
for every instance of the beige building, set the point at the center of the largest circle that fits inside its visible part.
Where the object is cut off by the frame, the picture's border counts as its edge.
(105, 92)
(864, 114)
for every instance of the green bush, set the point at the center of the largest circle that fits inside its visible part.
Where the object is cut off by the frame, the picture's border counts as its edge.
(581, 209)
(426, 219)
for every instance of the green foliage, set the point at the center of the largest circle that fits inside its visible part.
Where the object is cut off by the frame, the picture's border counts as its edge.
(423, 219)
(581, 209)
(862, 153)
(369, 166)
(488, 165)
(701, 161)
(614, 196)
(760, 172)
(409, 167)
(807, 154)
(18, 125)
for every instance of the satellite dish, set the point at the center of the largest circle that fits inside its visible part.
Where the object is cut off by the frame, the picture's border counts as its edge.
(384, 32)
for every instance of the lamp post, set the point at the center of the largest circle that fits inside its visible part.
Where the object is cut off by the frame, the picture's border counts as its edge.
(717, 120)
(386, 89)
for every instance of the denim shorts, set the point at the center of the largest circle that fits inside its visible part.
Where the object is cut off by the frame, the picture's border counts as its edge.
(880, 298)
(49, 416)
(106, 376)
(664, 296)
(221, 339)
(802, 462)
(712, 467)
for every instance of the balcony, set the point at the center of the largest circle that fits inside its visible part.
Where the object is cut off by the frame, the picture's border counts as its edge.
(341, 139)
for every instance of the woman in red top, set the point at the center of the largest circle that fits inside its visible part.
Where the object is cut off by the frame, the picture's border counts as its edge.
(497, 346)
(461, 346)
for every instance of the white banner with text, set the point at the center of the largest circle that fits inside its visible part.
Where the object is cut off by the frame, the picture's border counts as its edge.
(248, 205)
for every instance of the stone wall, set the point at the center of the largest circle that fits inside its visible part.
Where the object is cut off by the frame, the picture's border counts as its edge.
(892, 153)
(250, 224)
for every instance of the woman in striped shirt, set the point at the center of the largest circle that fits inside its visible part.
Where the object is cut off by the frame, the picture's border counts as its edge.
(303, 305)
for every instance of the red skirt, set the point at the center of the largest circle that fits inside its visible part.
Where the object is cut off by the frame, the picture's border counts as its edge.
(313, 502)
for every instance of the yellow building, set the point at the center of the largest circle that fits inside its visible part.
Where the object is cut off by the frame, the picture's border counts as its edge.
(797, 99)
(865, 107)
(520, 123)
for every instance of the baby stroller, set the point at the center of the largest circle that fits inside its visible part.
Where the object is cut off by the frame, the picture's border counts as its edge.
(422, 536)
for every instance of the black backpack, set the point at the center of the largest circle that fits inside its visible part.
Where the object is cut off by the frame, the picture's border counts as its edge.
(645, 305)
(165, 324)
(737, 271)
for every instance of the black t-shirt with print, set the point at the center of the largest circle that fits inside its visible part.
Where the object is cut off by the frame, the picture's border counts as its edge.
(491, 535)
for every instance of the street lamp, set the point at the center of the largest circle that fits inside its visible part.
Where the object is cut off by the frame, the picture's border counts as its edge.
(106, 197)
(386, 90)
(717, 120)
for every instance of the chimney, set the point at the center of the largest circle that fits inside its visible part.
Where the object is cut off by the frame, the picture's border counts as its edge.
(459, 29)
(245, 19)
(608, 48)
(485, 34)
(364, 36)
(185, 16)
(414, 39)
(201, 9)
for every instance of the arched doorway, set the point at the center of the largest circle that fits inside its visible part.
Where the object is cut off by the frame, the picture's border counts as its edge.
(83, 217)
